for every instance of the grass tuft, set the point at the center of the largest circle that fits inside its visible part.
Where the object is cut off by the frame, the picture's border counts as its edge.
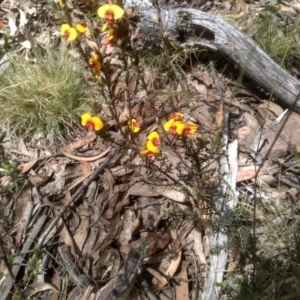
(43, 95)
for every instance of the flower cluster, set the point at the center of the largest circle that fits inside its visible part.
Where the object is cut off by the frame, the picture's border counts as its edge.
(176, 125)
(91, 123)
(153, 141)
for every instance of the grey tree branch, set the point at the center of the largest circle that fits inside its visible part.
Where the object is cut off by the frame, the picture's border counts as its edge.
(214, 33)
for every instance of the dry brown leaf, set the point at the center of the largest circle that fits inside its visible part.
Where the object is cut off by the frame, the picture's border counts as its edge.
(147, 190)
(132, 85)
(56, 281)
(287, 9)
(121, 199)
(78, 144)
(121, 171)
(1, 24)
(23, 211)
(185, 229)
(156, 274)
(90, 242)
(204, 77)
(218, 123)
(23, 149)
(247, 133)
(88, 295)
(81, 234)
(92, 158)
(126, 234)
(156, 242)
(200, 88)
(65, 235)
(169, 273)
(198, 245)
(36, 287)
(27, 166)
(249, 172)
(92, 44)
(243, 6)
(87, 169)
(182, 288)
(115, 226)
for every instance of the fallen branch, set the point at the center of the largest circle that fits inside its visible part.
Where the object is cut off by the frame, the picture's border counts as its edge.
(214, 33)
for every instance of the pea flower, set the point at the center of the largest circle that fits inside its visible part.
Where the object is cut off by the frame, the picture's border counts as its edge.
(68, 32)
(110, 12)
(94, 63)
(92, 123)
(170, 126)
(133, 125)
(153, 141)
(179, 127)
(81, 27)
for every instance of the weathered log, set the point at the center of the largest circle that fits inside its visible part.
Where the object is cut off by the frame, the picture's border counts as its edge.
(194, 27)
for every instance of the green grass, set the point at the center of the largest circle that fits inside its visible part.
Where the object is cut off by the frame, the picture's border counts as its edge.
(43, 95)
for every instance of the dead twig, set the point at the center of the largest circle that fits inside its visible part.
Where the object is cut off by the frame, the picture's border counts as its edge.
(9, 269)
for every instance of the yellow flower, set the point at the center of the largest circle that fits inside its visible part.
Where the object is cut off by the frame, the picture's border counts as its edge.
(190, 128)
(81, 27)
(133, 125)
(68, 32)
(151, 145)
(92, 123)
(110, 12)
(170, 126)
(179, 127)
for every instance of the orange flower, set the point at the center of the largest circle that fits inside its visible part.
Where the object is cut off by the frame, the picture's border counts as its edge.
(81, 27)
(94, 63)
(133, 125)
(92, 123)
(68, 32)
(110, 12)
(151, 145)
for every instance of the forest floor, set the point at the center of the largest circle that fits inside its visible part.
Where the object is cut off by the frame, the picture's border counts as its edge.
(82, 212)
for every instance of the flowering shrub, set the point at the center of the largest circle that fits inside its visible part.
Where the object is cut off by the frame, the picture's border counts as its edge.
(114, 31)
